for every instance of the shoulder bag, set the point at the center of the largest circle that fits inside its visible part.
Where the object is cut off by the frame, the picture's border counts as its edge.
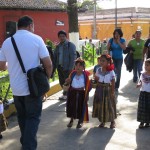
(37, 80)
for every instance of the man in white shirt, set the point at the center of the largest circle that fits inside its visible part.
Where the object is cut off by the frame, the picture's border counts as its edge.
(32, 49)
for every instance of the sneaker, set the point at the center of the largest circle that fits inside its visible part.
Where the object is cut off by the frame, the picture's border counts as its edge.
(134, 81)
(63, 97)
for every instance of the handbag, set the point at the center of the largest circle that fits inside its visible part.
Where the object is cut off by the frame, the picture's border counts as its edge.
(37, 80)
(111, 41)
(93, 83)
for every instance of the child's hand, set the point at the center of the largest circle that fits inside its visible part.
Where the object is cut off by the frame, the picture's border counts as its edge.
(139, 84)
(96, 78)
(68, 80)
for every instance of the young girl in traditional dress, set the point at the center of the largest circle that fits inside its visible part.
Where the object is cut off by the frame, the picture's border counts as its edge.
(143, 113)
(77, 107)
(104, 107)
(3, 122)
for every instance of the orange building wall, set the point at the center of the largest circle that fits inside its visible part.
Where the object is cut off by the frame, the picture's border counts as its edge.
(85, 30)
(105, 28)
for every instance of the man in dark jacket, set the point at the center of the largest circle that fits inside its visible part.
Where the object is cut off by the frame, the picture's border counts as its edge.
(64, 56)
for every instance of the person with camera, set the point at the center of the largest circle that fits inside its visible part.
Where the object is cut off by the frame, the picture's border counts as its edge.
(32, 50)
(116, 45)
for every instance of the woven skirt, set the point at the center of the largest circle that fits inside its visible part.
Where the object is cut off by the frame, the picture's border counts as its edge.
(104, 107)
(3, 123)
(143, 113)
(75, 102)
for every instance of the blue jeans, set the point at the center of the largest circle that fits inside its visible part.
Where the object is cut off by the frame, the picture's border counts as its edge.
(137, 68)
(28, 112)
(118, 66)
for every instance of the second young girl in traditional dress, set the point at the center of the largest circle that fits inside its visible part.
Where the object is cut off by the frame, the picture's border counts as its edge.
(104, 107)
(77, 107)
(143, 114)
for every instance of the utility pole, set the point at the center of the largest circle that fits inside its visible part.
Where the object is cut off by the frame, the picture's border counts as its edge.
(115, 14)
(94, 21)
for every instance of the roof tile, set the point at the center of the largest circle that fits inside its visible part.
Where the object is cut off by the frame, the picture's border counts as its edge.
(32, 4)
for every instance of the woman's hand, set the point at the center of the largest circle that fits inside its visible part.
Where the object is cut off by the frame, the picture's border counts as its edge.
(118, 40)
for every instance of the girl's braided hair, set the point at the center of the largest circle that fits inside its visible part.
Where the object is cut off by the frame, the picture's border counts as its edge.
(110, 66)
(80, 61)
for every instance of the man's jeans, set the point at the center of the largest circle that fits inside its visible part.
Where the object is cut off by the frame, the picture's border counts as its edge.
(118, 66)
(63, 75)
(28, 112)
(137, 68)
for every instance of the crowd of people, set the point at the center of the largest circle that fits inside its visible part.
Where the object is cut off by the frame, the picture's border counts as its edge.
(72, 72)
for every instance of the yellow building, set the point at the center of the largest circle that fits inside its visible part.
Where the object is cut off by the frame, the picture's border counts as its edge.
(128, 19)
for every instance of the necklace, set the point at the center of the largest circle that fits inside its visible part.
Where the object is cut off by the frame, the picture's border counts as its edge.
(138, 42)
(77, 77)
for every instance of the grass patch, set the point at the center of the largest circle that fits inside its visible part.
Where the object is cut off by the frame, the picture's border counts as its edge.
(4, 84)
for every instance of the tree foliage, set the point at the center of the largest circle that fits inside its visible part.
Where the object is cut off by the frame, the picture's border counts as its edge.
(88, 5)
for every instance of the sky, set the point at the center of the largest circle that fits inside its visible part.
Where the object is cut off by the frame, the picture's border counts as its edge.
(107, 4)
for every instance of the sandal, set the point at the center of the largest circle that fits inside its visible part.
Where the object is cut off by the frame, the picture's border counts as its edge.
(79, 125)
(147, 125)
(101, 125)
(112, 125)
(141, 125)
(70, 124)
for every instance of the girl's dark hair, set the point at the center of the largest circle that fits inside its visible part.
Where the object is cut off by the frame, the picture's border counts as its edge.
(119, 32)
(80, 61)
(62, 32)
(110, 67)
(147, 60)
(24, 21)
(107, 57)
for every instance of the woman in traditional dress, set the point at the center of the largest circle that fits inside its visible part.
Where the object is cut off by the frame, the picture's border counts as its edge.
(104, 107)
(77, 107)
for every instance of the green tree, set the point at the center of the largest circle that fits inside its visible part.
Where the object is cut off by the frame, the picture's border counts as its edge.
(89, 4)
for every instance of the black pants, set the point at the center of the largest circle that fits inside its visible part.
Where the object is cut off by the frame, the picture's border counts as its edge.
(63, 75)
(28, 112)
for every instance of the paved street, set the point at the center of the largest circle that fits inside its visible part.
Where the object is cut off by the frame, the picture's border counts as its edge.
(54, 135)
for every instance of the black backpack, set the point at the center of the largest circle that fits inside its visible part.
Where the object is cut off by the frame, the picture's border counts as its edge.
(52, 58)
(77, 53)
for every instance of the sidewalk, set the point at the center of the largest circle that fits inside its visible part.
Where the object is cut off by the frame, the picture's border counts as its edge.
(54, 135)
